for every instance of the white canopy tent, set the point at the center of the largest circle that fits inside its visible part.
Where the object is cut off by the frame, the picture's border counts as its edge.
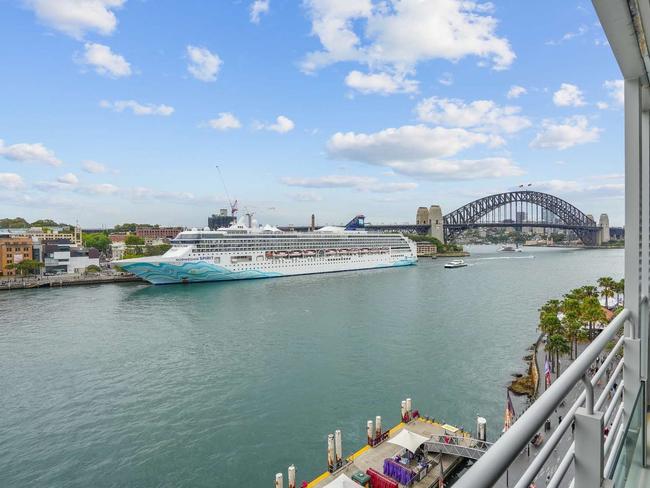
(342, 482)
(408, 440)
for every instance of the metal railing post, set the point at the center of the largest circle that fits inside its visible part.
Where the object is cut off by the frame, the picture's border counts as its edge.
(589, 451)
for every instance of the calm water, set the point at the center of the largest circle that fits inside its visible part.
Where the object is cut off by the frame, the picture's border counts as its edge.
(226, 384)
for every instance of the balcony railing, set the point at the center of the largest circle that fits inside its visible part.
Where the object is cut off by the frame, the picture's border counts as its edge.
(593, 456)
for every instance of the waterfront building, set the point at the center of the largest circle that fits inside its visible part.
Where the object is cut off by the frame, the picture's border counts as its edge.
(13, 250)
(425, 248)
(118, 236)
(152, 233)
(55, 234)
(117, 250)
(63, 257)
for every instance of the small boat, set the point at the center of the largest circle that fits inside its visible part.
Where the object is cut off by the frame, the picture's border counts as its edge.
(330, 252)
(295, 254)
(456, 263)
(310, 253)
(507, 249)
(280, 254)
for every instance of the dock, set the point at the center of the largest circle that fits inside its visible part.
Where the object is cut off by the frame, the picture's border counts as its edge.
(66, 280)
(373, 457)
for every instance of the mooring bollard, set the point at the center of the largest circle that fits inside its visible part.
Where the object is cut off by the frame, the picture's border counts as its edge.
(370, 431)
(292, 476)
(339, 448)
(279, 482)
(331, 457)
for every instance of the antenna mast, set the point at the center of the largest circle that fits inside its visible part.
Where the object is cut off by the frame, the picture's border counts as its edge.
(233, 205)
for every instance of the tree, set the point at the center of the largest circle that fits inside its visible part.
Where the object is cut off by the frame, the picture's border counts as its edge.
(607, 285)
(550, 324)
(93, 269)
(557, 346)
(571, 322)
(589, 291)
(98, 240)
(133, 240)
(26, 266)
(619, 289)
(592, 312)
(552, 307)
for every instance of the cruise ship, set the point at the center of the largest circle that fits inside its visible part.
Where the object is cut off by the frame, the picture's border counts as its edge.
(244, 252)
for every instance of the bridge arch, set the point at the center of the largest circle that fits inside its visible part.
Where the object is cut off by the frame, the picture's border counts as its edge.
(469, 216)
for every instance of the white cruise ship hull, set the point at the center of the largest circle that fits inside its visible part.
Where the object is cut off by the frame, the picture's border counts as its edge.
(163, 270)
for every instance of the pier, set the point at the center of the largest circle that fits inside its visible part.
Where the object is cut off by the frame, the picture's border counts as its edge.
(65, 280)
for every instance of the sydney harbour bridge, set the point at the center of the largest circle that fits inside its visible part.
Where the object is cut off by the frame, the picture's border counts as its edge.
(518, 210)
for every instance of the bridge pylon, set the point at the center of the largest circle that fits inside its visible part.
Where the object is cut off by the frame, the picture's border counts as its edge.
(433, 218)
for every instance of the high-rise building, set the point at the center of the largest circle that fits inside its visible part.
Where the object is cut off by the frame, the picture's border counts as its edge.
(222, 219)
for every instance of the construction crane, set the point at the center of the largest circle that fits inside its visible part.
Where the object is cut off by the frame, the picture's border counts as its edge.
(233, 204)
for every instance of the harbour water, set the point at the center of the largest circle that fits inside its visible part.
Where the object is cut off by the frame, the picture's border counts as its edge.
(225, 384)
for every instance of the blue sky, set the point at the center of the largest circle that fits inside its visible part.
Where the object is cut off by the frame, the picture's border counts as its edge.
(119, 110)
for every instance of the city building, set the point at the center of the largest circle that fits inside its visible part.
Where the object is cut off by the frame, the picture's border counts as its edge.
(118, 236)
(117, 250)
(222, 219)
(13, 250)
(54, 234)
(426, 248)
(63, 257)
(153, 233)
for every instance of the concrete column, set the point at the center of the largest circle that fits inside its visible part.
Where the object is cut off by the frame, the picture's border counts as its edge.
(589, 450)
(632, 198)
(631, 374)
(437, 227)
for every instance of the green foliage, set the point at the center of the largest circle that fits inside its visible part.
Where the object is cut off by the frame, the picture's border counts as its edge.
(44, 223)
(93, 269)
(125, 228)
(133, 240)
(139, 252)
(442, 247)
(27, 266)
(99, 241)
(17, 223)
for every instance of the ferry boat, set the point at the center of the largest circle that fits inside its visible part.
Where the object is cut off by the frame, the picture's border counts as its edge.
(242, 252)
(456, 263)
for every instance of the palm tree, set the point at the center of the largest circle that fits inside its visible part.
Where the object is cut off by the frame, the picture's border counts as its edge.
(606, 284)
(557, 345)
(619, 288)
(571, 322)
(589, 291)
(550, 324)
(591, 313)
(551, 307)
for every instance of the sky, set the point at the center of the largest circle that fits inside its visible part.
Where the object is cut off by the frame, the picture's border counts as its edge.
(118, 111)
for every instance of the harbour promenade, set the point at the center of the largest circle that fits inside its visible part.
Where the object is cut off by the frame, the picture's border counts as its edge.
(66, 280)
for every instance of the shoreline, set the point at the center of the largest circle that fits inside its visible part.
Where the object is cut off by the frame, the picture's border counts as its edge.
(61, 281)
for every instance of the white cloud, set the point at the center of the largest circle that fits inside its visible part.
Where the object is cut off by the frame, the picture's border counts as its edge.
(419, 150)
(446, 79)
(29, 153)
(100, 189)
(257, 8)
(381, 83)
(571, 187)
(568, 133)
(105, 61)
(76, 17)
(93, 167)
(516, 91)
(568, 96)
(399, 34)
(68, 179)
(203, 65)
(11, 181)
(363, 183)
(225, 121)
(616, 90)
(137, 108)
(305, 196)
(483, 115)
(602, 105)
(582, 30)
(282, 125)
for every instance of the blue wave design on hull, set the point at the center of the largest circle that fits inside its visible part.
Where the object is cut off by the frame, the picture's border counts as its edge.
(196, 272)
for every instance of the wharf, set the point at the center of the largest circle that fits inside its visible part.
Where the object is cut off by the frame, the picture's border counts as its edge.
(373, 457)
(65, 280)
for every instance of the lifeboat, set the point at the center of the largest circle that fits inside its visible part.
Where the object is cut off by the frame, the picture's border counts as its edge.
(280, 254)
(330, 252)
(364, 251)
(310, 253)
(269, 254)
(295, 254)
(343, 251)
